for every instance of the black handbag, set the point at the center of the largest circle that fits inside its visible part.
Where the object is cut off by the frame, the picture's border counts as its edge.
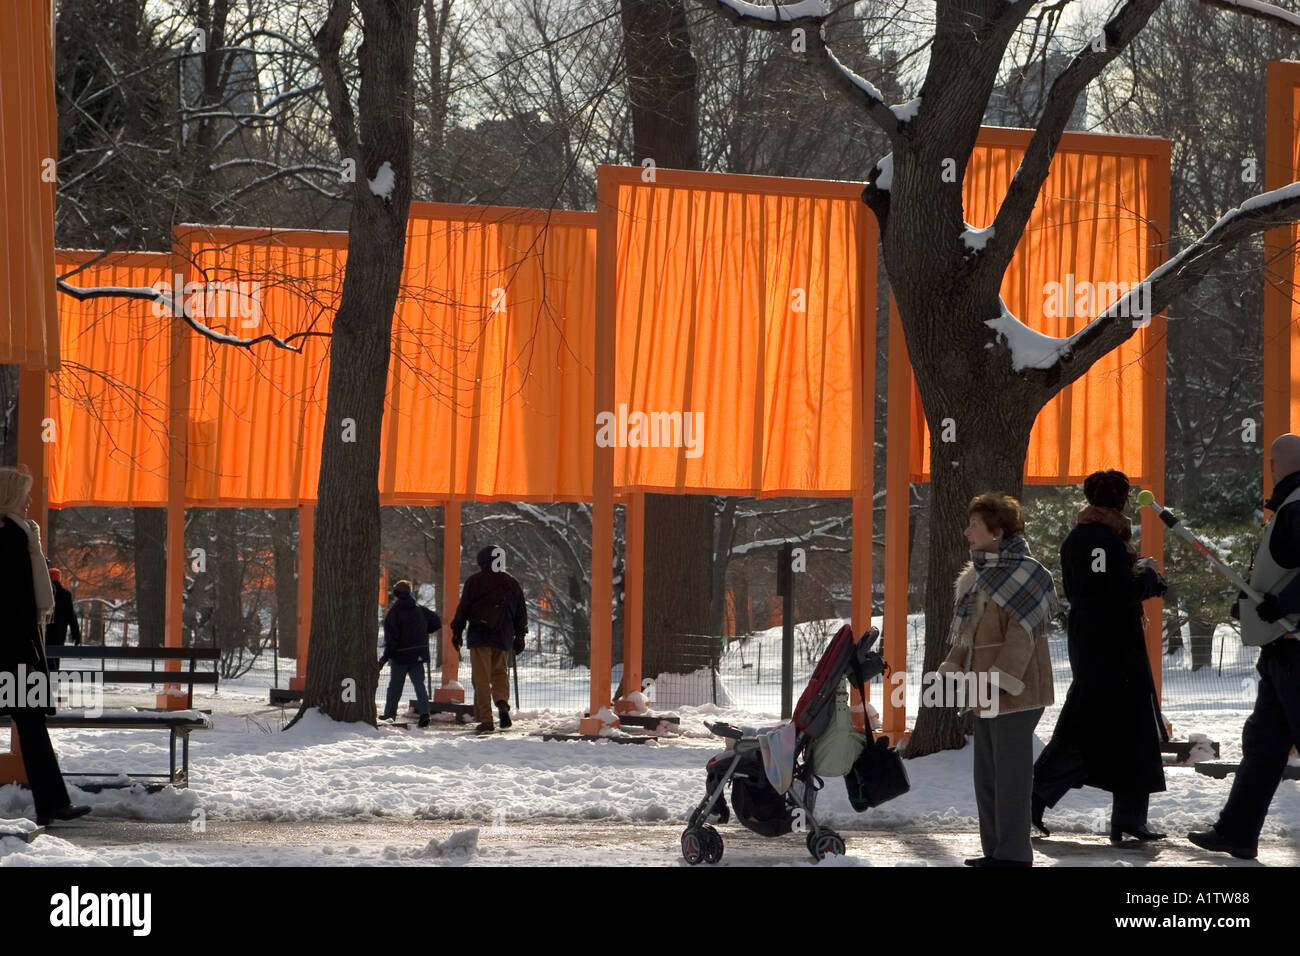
(877, 776)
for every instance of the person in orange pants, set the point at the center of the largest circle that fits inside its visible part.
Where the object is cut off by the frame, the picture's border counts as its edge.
(492, 608)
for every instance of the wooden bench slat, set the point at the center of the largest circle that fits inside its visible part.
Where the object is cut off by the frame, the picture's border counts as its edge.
(146, 677)
(97, 652)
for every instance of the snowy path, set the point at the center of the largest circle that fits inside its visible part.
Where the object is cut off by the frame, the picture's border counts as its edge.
(116, 843)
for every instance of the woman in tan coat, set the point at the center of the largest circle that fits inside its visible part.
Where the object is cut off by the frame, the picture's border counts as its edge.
(1004, 599)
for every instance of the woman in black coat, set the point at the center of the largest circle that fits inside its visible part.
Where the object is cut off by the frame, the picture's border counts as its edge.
(27, 598)
(1110, 729)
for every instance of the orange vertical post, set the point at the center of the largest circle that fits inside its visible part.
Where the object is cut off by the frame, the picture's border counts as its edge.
(306, 567)
(450, 691)
(178, 376)
(633, 597)
(898, 499)
(1155, 340)
(33, 450)
(1279, 258)
(862, 450)
(602, 485)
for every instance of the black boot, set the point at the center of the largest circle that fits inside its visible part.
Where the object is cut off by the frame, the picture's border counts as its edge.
(503, 713)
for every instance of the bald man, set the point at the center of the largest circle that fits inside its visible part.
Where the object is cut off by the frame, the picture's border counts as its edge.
(1273, 728)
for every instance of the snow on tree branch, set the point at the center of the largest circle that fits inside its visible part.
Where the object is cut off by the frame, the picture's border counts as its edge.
(814, 12)
(803, 10)
(163, 299)
(1073, 356)
(1263, 11)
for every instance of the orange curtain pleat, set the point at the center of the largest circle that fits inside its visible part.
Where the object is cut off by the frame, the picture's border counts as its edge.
(29, 320)
(1092, 222)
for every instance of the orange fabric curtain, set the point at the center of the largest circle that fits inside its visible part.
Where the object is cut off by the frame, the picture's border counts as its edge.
(1281, 309)
(490, 386)
(109, 398)
(256, 415)
(737, 303)
(1100, 222)
(29, 320)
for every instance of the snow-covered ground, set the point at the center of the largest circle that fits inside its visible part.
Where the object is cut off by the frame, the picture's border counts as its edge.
(244, 771)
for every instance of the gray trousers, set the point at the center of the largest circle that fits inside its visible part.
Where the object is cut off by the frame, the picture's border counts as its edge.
(1004, 782)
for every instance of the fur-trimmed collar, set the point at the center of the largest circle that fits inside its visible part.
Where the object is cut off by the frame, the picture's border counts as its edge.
(967, 581)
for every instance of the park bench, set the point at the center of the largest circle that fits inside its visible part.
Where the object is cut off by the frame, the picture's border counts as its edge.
(179, 724)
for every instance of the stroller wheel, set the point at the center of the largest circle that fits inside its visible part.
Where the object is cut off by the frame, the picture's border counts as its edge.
(824, 843)
(712, 845)
(695, 842)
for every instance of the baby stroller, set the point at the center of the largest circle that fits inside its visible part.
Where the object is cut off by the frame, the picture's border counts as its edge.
(764, 808)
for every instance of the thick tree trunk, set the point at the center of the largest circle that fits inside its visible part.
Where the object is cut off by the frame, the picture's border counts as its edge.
(150, 574)
(990, 424)
(677, 639)
(341, 671)
(661, 79)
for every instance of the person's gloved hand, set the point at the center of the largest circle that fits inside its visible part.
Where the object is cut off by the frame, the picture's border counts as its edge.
(519, 645)
(455, 642)
(382, 661)
(1269, 610)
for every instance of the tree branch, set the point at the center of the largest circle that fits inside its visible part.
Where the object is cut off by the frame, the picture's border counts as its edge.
(1268, 12)
(169, 301)
(1270, 210)
(328, 42)
(1022, 195)
(808, 14)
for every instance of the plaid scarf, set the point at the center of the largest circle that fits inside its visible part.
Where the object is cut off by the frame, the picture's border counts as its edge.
(1015, 581)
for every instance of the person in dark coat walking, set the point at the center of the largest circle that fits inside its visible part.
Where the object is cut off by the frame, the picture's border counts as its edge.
(64, 620)
(492, 606)
(1109, 732)
(407, 627)
(28, 597)
(1273, 727)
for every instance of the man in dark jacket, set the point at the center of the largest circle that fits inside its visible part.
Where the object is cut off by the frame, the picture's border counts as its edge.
(492, 605)
(1273, 728)
(407, 627)
(64, 619)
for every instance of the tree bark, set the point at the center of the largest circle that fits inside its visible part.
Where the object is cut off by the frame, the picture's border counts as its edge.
(664, 103)
(150, 575)
(341, 671)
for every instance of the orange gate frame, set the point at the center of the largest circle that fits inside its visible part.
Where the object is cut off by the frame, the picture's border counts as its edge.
(1281, 343)
(602, 468)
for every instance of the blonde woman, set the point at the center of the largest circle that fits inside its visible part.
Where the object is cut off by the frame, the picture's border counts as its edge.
(28, 600)
(1004, 599)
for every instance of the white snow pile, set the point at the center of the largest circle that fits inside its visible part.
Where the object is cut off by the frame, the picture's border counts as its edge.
(977, 239)
(906, 112)
(460, 846)
(1029, 349)
(384, 181)
(1200, 750)
(885, 178)
(778, 14)
(670, 691)
(637, 701)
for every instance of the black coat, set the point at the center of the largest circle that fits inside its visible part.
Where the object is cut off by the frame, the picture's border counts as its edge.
(513, 624)
(1109, 731)
(64, 619)
(407, 627)
(20, 628)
